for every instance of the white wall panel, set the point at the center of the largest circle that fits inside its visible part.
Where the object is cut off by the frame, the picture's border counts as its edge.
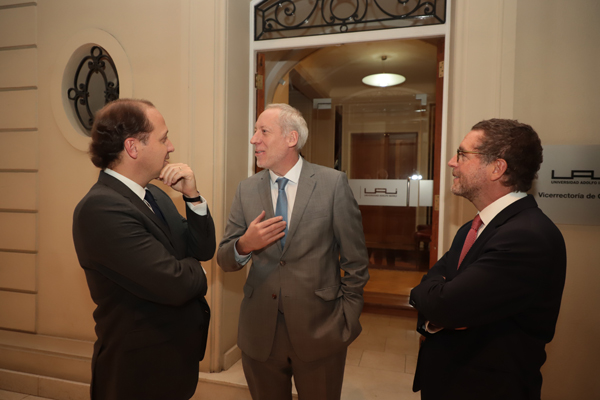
(18, 231)
(18, 26)
(17, 311)
(19, 150)
(17, 271)
(19, 190)
(18, 68)
(15, 2)
(18, 109)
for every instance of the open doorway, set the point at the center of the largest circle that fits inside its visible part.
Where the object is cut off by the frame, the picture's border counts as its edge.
(373, 134)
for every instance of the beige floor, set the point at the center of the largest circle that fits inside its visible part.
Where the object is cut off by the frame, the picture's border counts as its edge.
(380, 365)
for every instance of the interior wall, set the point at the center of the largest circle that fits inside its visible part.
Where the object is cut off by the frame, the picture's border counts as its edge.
(556, 91)
(235, 167)
(19, 176)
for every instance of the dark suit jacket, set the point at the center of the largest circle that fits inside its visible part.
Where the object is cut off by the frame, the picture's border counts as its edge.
(151, 316)
(507, 294)
(325, 234)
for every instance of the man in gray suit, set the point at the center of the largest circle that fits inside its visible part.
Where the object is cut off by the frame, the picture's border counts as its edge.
(299, 314)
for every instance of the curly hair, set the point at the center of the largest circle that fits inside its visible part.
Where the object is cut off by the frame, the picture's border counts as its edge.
(516, 143)
(115, 122)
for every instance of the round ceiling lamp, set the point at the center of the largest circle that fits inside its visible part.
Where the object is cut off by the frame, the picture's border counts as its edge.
(383, 79)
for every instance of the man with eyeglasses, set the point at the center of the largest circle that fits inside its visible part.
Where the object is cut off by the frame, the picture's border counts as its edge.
(488, 307)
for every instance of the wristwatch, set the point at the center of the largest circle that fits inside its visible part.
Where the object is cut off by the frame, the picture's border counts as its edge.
(192, 199)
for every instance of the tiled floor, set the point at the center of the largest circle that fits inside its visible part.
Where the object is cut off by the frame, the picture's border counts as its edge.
(380, 364)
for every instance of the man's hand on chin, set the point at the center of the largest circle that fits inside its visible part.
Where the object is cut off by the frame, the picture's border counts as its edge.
(181, 178)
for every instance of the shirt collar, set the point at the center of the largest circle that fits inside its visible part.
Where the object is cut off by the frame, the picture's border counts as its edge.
(293, 174)
(490, 212)
(134, 187)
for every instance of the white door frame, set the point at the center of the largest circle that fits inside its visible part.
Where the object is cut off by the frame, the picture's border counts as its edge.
(418, 32)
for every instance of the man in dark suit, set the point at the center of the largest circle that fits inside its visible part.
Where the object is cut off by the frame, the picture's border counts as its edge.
(487, 311)
(141, 260)
(298, 315)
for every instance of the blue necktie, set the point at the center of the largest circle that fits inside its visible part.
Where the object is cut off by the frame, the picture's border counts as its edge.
(281, 208)
(150, 199)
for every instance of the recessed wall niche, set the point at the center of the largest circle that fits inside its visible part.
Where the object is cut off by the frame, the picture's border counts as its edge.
(69, 59)
(95, 83)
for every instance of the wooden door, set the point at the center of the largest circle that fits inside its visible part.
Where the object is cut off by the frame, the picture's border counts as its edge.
(437, 144)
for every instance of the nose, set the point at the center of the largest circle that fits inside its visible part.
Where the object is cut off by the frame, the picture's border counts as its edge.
(170, 147)
(453, 162)
(255, 138)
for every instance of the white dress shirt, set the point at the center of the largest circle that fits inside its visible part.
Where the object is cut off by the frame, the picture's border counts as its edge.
(293, 176)
(200, 209)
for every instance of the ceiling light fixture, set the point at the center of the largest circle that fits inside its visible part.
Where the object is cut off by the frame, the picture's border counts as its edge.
(383, 79)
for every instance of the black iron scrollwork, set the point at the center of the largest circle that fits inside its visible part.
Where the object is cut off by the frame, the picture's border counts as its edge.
(273, 16)
(98, 61)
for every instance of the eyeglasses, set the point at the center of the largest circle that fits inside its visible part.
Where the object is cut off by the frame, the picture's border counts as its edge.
(460, 153)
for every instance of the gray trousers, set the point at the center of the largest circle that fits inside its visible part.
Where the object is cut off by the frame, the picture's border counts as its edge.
(272, 379)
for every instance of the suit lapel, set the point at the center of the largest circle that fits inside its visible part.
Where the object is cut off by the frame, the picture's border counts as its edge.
(499, 220)
(122, 189)
(306, 185)
(264, 192)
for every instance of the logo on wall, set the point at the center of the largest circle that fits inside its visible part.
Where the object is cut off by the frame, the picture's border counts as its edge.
(576, 173)
(377, 191)
(568, 188)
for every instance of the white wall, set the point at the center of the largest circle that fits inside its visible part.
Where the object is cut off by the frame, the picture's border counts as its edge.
(556, 91)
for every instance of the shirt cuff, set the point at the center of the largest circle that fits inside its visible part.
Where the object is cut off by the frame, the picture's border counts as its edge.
(242, 260)
(200, 209)
(431, 328)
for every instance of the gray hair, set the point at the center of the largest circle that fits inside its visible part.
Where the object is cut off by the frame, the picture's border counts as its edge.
(290, 119)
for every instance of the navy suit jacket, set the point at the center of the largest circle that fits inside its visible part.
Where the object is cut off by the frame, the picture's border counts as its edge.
(145, 278)
(507, 294)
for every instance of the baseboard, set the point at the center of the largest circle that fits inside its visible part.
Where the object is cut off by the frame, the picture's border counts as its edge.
(231, 356)
(43, 386)
(46, 356)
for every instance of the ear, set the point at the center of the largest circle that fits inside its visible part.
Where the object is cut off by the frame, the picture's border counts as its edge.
(131, 147)
(499, 169)
(292, 139)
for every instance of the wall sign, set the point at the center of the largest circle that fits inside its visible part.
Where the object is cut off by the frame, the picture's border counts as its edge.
(392, 192)
(568, 184)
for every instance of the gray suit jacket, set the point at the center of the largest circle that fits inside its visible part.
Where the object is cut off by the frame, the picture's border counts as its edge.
(325, 234)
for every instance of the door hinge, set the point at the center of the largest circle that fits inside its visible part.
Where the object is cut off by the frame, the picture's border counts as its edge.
(436, 202)
(258, 81)
(441, 69)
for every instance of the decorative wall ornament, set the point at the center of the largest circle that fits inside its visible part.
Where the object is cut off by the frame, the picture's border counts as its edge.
(88, 94)
(291, 18)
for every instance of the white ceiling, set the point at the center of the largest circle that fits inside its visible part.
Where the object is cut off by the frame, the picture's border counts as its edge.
(337, 71)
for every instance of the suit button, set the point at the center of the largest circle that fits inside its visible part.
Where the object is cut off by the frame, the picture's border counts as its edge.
(282, 263)
(274, 296)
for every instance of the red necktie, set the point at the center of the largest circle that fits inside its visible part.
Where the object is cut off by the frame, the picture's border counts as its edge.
(471, 236)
